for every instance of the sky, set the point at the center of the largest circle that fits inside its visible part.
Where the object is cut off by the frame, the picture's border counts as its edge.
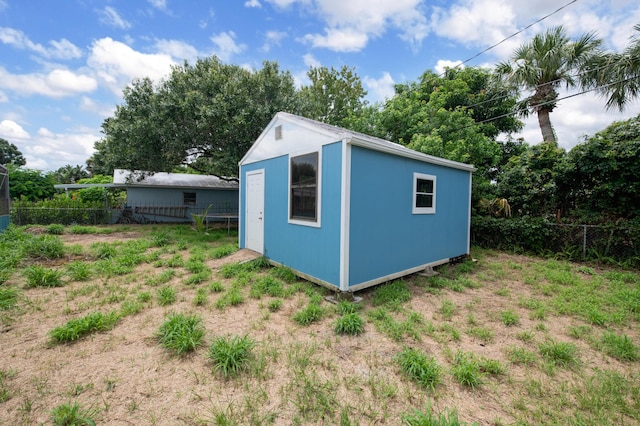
(64, 64)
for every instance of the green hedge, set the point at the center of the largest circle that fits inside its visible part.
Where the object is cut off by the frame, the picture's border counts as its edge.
(64, 211)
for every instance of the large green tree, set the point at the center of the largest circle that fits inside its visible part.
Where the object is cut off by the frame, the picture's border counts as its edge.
(9, 154)
(544, 64)
(333, 95)
(29, 184)
(604, 172)
(70, 174)
(205, 115)
(449, 116)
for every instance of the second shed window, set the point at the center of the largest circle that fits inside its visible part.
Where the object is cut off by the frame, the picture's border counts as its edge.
(424, 194)
(304, 187)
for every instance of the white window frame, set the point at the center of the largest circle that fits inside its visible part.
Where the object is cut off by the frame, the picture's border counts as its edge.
(423, 210)
(313, 223)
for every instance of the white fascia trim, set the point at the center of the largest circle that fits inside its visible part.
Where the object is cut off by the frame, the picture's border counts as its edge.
(318, 222)
(397, 275)
(345, 214)
(469, 212)
(415, 155)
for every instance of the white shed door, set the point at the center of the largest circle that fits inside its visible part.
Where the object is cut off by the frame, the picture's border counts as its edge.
(255, 211)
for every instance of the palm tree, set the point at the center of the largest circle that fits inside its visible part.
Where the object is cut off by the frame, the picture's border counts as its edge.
(544, 64)
(617, 75)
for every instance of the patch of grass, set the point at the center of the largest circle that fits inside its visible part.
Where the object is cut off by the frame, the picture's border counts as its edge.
(484, 334)
(447, 309)
(223, 251)
(8, 297)
(161, 239)
(275, 305)
(144, 296)
(198, 278)
(419, 368)
(267, 285)
(620, 347)
(392, 294)
(201, 297)
(216, 287)
(509, 318)
(166, 295)
(72, 414)
(39, 276)
(520, 355)
(346, 307)
(427, 417)
(181, 333)
(467, 370)
(350, 323)
(79, 271)
(103, 250)
(564, 354)
(81, 327)
(311, 313)
(231, 355)
(55, 229)
(79, 229)
(231, 270)
(195, 266)
(232, 297)
(283, 273)
(162, 278)
(130, 307)
(44, 247)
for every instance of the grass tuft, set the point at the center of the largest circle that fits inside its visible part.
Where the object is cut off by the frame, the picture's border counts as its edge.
(467, 370)
(72, 414)
(564, 354)
(39, 276)
(351, 323)
(392, 294)
(8, 297)
(55, 229)
(231, 355)
(311, 313)
(80, 327)
(419, 368)
(166, 295)
(181, 333)
(620, 347)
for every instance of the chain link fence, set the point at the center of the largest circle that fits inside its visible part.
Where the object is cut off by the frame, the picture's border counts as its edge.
(611, 243)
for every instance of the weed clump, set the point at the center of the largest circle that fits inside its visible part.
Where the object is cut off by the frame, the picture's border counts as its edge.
(72, 414)
(80, 327)
(181, 333)
(351, 323)
(418, 367)
(231, 355)
(39, 276)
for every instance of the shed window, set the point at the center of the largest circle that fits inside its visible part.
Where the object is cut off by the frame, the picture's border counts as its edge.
(189, 198)
(424, 194)
(303, 192)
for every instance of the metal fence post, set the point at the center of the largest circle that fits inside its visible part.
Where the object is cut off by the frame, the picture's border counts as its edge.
(584, 242)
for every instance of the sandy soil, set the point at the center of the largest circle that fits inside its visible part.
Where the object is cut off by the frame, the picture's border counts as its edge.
(129, 379)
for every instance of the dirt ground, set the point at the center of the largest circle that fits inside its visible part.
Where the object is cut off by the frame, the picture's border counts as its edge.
(127, 378)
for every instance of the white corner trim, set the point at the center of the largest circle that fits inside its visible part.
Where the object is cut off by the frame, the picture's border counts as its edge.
(345, 214)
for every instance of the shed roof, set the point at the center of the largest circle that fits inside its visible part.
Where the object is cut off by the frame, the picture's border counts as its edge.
(361, 139)
(170, 180)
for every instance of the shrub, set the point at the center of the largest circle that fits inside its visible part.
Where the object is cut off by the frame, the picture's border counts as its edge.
(55, 229)
(231, 355)
(181, 333)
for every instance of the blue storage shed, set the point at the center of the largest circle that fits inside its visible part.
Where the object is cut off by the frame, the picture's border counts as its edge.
(347, 210)
(4, 198)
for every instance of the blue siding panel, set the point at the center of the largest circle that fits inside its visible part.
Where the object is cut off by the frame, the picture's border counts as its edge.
(313, 251)
(385, 237)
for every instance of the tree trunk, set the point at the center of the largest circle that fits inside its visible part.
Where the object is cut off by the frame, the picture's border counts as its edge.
(544, 121)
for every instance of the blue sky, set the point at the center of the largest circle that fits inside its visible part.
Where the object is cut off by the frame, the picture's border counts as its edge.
(63, 64)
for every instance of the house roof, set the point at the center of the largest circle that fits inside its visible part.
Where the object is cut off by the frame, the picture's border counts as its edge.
(360, 139)
(136, 178)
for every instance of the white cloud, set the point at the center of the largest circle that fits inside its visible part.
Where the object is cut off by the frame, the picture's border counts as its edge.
(339, 40)
(50, 151)
(117, 64)
(62, 49)
(311, 61)
(110, 16)
(9, 130)
(252, 3)
(284, 3)
(178, 50)
(226, 45)
(443, 64)
(57, 83)
(273, 38)
(158, 4)
(102, 110)
(3, 97)
(380, 89)
(360, 20)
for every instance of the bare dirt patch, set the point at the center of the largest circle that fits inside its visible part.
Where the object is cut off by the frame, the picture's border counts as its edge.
(300, 375)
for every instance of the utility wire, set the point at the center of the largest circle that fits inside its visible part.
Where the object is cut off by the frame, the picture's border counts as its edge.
(544, 103)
